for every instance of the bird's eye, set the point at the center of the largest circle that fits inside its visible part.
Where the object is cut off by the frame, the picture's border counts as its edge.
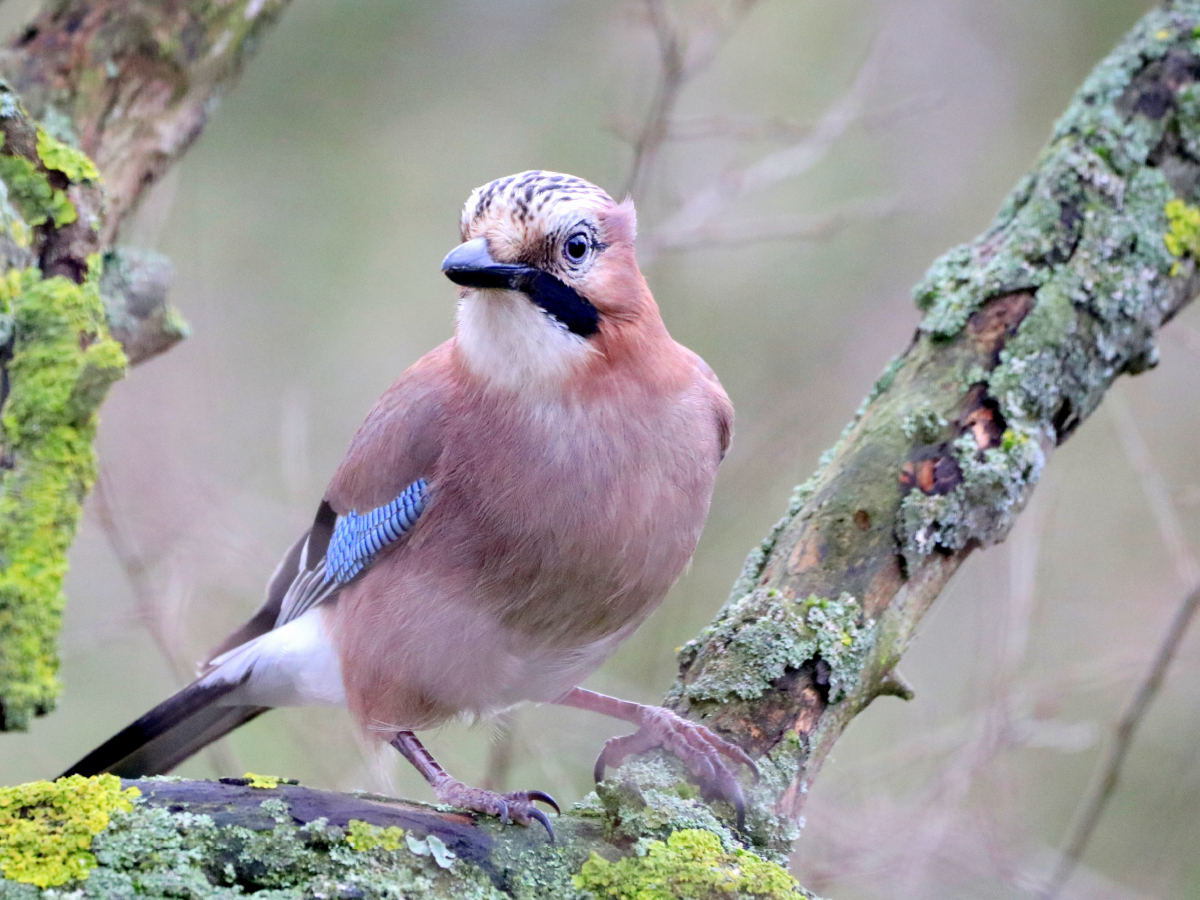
(577, 247)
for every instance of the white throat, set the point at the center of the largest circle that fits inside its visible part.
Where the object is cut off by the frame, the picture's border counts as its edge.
(504, 338)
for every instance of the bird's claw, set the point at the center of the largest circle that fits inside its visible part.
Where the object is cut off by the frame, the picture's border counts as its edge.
(543, 797)
(517, 806)
(695, 746)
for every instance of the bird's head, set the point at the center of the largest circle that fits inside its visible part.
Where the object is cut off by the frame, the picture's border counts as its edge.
(549, 277)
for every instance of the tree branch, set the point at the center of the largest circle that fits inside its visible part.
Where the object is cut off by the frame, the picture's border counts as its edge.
(1025, 330)
(109, 93)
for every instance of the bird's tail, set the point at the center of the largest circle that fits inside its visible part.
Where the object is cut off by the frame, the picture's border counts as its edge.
(171, 732)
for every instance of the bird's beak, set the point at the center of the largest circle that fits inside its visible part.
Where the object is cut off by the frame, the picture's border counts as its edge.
(471, 265)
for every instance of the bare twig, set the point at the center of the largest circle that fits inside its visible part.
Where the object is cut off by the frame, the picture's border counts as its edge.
(706, 205)
(1188, 572)
(1093, 808)
(752, 128)
(500, 754)
(798, 227)
(680, 60)
(153, 613)
(666, 93)
(1187, 569)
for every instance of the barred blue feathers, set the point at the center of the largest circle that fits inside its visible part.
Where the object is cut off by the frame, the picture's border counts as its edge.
(358, 538)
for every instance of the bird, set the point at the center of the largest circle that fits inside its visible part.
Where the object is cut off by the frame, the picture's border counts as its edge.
(512, 509)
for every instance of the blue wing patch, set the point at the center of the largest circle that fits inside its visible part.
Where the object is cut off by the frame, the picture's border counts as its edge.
(358, 538)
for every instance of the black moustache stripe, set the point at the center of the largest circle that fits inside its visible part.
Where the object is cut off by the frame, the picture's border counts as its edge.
(560, 301)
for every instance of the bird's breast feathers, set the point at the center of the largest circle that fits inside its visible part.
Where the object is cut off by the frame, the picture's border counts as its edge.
(508, 342)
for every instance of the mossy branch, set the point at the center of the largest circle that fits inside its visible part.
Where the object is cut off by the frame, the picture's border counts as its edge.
(101, 97)
(1025, 330)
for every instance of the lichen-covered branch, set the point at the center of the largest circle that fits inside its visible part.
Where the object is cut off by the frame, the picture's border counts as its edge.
(133, 81)
(101, 97)
(166, 837)
(1024, 331)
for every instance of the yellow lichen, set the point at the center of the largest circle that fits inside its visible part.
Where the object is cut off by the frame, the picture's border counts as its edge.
(35, 198)
(64, 158)
(691, 865)
(365, 836)
(46, 829)
(265, 782)
(63, 361)
(1183, 234)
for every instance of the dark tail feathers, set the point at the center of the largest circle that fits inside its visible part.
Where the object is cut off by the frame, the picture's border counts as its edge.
(167, 735)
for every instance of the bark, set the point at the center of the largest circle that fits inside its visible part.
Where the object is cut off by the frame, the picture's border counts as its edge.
(101, 97)
(1025, 329)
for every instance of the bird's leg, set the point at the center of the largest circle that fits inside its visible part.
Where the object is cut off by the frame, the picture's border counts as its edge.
(513, 807)
(699, 749)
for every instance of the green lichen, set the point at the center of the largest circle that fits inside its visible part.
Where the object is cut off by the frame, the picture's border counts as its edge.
(153, 848)
(63, 362)
(650, 796)
(995, 483)
(365, 836)
(73, 163)
(1040, 229)
(158, 852)
(28, 187)
(1096, 229)
(1078, 195)
(755, 640)
(691, 865)
(46, 829)
(924, 424)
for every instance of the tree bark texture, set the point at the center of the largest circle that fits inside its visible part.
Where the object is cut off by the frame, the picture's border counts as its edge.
(1024, 330)
(101, 96)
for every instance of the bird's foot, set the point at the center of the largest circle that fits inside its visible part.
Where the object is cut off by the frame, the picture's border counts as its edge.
(703, 752)
(517, 806)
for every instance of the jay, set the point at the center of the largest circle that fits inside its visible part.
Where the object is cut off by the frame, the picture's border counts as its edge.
(513, 508)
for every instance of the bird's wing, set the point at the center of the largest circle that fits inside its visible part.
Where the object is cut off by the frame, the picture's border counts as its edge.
(375, 498)
(354, 541)
(715, 398)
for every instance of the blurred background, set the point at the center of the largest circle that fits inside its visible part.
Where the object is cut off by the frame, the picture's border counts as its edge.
(307, 227)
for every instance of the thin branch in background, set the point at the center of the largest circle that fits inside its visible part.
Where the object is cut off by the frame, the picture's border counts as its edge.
(500, 753)
(943, 824)
(707, 205)
(994, 731)
(797, 227)
(766, 128)
(699, 219)
(666, 93)
(552, 770)
(1170, 528)
(1188, 572)
(680, 60)
(1093, 807)
(152, 612)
